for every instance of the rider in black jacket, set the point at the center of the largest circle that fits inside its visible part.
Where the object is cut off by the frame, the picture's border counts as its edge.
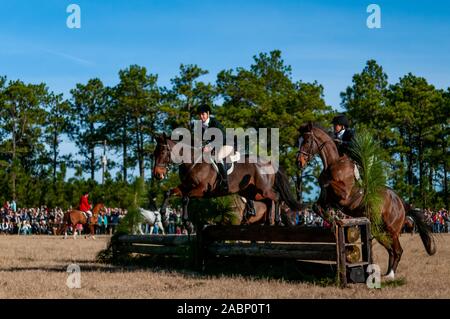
(204, 111)
(343, 135)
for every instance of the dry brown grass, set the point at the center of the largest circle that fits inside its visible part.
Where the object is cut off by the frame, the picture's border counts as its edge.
(35, 267)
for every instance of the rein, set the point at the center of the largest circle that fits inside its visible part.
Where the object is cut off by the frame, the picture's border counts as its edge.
(313, 140)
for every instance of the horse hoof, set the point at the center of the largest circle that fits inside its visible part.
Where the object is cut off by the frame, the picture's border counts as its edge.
(389, 276)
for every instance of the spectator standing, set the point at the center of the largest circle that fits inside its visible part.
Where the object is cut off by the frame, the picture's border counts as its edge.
(172, 221)
(114, 221)
(105, 222)
(156, 229)
(13, 206)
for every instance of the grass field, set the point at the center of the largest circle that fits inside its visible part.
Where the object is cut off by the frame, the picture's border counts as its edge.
(35, 267)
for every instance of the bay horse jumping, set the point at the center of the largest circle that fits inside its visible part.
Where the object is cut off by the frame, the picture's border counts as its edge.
(74, 217)
(256, 180)
(339, 190)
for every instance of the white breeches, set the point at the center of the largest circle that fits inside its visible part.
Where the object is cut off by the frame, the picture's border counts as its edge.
(224, 152)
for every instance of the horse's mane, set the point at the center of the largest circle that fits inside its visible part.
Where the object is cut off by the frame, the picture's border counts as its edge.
(307, 127)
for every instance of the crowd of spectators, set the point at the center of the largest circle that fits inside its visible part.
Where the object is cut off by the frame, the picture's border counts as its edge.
(438, 220)
(46, 221)
(307, 217)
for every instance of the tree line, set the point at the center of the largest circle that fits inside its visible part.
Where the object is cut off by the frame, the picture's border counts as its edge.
(409, 118)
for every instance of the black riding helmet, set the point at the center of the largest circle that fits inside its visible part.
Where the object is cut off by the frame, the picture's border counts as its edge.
(203, 108)
(340, 120)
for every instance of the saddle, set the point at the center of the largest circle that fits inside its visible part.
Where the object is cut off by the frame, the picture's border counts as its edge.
(88, 220)
(355, 166)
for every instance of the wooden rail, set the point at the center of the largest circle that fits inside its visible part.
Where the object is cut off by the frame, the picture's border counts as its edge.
(347, 244)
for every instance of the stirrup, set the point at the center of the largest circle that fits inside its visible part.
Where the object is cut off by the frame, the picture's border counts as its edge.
(251, 211)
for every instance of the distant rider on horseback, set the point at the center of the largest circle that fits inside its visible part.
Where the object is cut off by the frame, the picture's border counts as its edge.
(204, 111)
(85, 206)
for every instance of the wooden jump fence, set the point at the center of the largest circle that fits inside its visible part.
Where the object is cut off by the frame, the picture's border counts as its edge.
(348, 245)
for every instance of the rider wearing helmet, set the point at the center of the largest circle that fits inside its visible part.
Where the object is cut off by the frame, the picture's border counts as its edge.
(85, 206)
(343, 135)
(204, 111)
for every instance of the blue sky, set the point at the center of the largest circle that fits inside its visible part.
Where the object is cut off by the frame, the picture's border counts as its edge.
(327, 41)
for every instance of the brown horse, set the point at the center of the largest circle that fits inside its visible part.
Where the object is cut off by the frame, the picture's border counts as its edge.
(74, 217)
(339, 190)
(257, 181)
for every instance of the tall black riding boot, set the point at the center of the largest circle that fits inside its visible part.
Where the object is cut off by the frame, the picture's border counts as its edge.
(224, 177)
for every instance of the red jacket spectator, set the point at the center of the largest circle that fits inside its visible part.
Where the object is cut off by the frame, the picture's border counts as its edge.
(84, 203)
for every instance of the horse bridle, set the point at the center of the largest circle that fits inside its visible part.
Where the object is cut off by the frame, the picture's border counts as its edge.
(165, 146)
(309, 155)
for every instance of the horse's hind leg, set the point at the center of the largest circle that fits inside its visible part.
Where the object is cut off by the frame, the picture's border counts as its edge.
(278, 214)
(398, 251)
(270, 197)
(392, 257)
(268, 203)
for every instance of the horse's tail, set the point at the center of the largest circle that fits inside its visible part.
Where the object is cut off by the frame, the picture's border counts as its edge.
(423, 229)
(283, 188)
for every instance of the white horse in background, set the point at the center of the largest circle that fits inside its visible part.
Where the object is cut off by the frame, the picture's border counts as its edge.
(152, 218)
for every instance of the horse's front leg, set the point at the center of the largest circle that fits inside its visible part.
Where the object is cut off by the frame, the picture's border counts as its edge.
(321, 208)
(172, 192)
(197, 192)
(185, 202)
(187, 224)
